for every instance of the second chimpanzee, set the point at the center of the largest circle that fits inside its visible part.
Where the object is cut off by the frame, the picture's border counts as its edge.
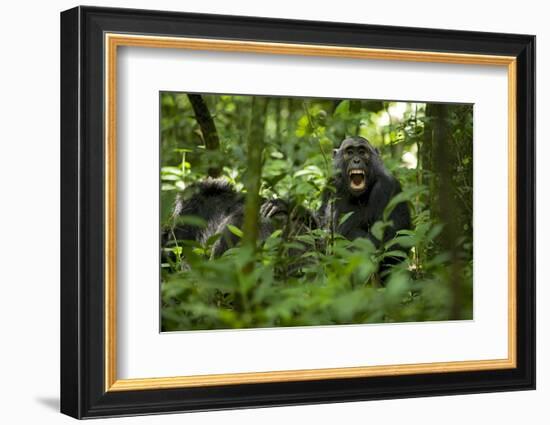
(220, 206)
(363, 186)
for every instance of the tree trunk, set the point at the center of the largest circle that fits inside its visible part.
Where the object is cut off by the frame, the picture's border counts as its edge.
(447, 204)
(208, 128)
(426, 154)
(255, 144)
(278, 120)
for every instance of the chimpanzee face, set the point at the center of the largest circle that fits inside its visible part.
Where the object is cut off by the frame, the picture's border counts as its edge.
(353, 161)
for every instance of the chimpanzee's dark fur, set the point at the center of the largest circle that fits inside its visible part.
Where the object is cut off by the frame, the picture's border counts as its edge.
(219, 205)
(356, 154)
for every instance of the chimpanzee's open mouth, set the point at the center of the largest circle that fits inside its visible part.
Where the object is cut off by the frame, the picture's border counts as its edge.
(357, 179)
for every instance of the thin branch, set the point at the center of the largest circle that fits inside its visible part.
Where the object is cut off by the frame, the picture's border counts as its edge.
(208, 128)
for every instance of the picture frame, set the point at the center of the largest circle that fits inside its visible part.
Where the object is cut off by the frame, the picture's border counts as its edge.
(90, 40)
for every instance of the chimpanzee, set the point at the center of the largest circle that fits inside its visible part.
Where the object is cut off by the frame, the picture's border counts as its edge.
(217, 203)
(365, 187)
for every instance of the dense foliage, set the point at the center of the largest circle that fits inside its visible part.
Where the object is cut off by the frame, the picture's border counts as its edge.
(428, 147)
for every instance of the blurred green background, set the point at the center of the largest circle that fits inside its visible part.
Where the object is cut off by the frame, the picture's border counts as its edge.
(428, 147)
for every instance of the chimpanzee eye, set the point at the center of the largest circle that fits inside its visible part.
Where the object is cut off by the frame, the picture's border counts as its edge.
(362, 152)
(349, 151)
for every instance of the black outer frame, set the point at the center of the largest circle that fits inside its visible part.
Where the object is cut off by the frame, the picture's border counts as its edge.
(82, 212)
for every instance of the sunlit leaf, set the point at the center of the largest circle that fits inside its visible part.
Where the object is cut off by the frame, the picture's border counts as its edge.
(345, 218)
(235, 230)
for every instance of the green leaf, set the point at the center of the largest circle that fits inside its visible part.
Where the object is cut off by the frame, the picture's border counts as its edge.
(309, 170)
(308, 239)
(235, 230)
(212, 239)
(170, 177)
(405, 196)
(364, 244)
(397, 287)
(342, 109)
(167, 187)
(171, 170)
(377, 230)
(276, 234)
(435, 231)
(403, 241)
(399, 254)
(166, 205)
(345, 217)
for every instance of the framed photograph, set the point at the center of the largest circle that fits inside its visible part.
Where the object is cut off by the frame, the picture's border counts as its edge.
(261, 212)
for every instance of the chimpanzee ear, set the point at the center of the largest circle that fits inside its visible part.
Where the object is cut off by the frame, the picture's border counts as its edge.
(334, 152)
(377, 151)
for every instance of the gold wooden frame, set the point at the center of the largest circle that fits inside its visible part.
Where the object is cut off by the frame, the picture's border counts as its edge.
(113, 41)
